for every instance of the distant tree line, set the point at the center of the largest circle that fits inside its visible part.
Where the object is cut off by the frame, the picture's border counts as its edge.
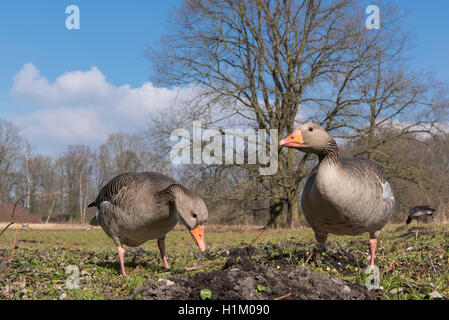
(74, 176)
(417, 165)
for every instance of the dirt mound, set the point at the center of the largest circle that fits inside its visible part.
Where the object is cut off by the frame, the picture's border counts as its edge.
(243, 278)
(342, 260)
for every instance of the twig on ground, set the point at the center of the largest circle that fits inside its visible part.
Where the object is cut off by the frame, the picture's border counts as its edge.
(392, 262)
(431, 262)
(310, 256)
(255, 239)
(13, 249)
(284, 296)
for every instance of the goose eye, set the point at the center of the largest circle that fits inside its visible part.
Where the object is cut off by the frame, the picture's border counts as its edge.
(310, 129)
(194, 215)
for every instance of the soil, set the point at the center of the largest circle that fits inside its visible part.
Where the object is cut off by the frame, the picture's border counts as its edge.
(342, 260)
(269, 276)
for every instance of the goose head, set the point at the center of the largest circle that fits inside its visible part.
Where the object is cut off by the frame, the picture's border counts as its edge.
(308, 137)
(192, 212)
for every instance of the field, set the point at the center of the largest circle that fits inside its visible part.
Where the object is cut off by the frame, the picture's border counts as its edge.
(413, 262)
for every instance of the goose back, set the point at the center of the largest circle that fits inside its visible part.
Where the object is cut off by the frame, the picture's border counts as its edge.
(112, 188)
(131, 209)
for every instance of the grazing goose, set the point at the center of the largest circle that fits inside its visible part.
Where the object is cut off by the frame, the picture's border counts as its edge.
(346, 196)
(135, 207)
(419, 212)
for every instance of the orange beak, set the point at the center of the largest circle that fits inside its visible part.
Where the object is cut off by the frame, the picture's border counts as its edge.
(198, 236)
(293, 141)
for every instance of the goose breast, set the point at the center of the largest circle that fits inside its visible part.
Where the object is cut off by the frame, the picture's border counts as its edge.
(351, 199)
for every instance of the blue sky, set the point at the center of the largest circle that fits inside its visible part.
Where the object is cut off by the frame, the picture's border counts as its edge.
(40, 57)
(430, 23)
(111, 37)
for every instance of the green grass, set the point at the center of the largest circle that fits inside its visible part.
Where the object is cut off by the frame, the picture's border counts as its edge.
(417, 264)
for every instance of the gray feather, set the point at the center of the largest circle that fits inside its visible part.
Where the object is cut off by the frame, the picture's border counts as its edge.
(136, 207)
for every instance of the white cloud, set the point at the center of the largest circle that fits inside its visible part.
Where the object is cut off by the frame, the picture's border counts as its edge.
(72, 88)
(146, 99)
(81, 107)
(80, 126)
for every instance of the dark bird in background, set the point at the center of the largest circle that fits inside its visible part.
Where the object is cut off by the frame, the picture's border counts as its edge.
(420, 212)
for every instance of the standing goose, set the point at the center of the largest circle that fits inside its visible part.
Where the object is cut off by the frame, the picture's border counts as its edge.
(135, 207)
(344, 196)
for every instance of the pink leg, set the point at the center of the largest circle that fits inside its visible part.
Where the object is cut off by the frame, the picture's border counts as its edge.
(373, 245)
(161, 245)
(121, 257)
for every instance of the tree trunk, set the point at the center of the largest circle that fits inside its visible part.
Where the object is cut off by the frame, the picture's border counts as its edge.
(50, 211)
(292, 200)
(293, 211)
(85, 200)
(81, 198)
(278, 216)
(28, 176)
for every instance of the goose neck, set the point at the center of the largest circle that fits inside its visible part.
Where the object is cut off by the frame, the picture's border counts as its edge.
(331, 154)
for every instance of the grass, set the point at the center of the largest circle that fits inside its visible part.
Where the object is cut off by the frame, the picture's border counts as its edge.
(412, 265)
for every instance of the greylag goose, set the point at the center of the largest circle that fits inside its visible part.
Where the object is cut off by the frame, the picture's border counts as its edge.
(419, 212)
(343, 196)
(135, 207)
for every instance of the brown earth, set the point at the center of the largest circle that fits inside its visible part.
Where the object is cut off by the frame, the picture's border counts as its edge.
(245, 278)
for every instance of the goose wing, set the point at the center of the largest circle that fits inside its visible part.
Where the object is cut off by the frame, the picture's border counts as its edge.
(371, 172)
(110, 191)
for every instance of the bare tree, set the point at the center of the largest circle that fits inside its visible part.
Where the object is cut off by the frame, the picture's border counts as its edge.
(123, 152)
(29, 181)
(10, 156)
(272, 61)
(75, 168)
